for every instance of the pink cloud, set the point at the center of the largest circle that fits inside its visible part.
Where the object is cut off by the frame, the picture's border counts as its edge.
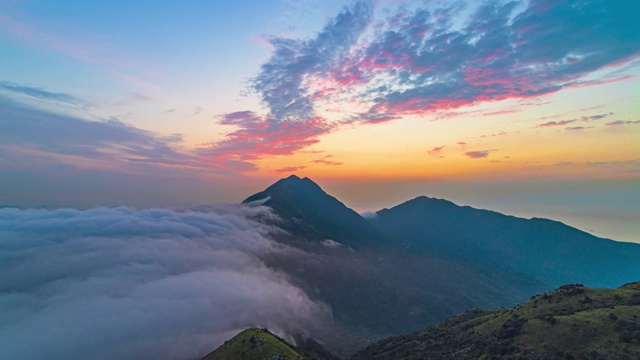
(501, 112)
(436, 151)
(257, 137)
(499, 133)
(324, 161)
(289, 169)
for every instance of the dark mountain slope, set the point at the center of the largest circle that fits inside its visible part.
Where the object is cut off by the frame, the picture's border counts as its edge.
(572, 322)
(309, 212)
(377, 294)
(374, 286)
(547, 250)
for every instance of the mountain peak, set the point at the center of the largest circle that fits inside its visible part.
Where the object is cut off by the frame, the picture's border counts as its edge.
(287, 187)
(313, 213)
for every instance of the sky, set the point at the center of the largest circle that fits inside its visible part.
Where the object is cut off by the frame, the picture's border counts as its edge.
(526, 107)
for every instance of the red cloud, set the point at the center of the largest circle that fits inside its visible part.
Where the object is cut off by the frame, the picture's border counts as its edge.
(258, 137)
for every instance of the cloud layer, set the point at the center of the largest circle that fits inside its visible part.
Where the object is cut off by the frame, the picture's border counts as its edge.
(30, 136)
(368, 67)
(120, 283)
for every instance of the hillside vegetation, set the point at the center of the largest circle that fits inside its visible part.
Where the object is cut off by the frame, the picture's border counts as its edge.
(256, 344)
(573, 322)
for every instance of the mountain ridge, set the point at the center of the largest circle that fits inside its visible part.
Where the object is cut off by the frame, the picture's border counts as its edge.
(546, 249)
(423, 261)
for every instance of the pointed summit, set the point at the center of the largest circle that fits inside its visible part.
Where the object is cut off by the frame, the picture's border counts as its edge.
(291, 184)
(310, 212)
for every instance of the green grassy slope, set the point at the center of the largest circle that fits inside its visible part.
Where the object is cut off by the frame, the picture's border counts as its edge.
(572, 322)
(256, 344)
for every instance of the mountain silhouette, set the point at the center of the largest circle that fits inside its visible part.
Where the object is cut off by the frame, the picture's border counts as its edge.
(547, 250)
(309, 211)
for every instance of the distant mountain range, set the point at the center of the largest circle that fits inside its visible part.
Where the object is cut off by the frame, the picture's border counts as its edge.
(425, 260)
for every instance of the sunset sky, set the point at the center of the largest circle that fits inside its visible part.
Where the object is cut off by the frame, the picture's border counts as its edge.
(528, 108)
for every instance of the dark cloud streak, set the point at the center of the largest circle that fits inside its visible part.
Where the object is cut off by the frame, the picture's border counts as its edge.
(42, 94)
(110, 140)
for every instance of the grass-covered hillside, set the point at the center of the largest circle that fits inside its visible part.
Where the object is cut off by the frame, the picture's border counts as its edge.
(256, 344)
(573, 322)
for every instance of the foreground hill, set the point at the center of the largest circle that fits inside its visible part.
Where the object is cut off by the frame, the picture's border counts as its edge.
(547, 250)
(256, 344)
(572, 322)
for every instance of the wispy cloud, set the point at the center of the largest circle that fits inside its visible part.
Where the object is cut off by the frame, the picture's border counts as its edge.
(499, 133)
(556, 123)
(478, 154)
(582, 118)
(25, 129)
(622, 122)
(325, 161)
(436, 151)
(599, 163)
(42, 94)
(596, 117)
(288, 169)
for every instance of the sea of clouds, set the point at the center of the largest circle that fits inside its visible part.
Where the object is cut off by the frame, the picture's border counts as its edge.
(121, 283)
